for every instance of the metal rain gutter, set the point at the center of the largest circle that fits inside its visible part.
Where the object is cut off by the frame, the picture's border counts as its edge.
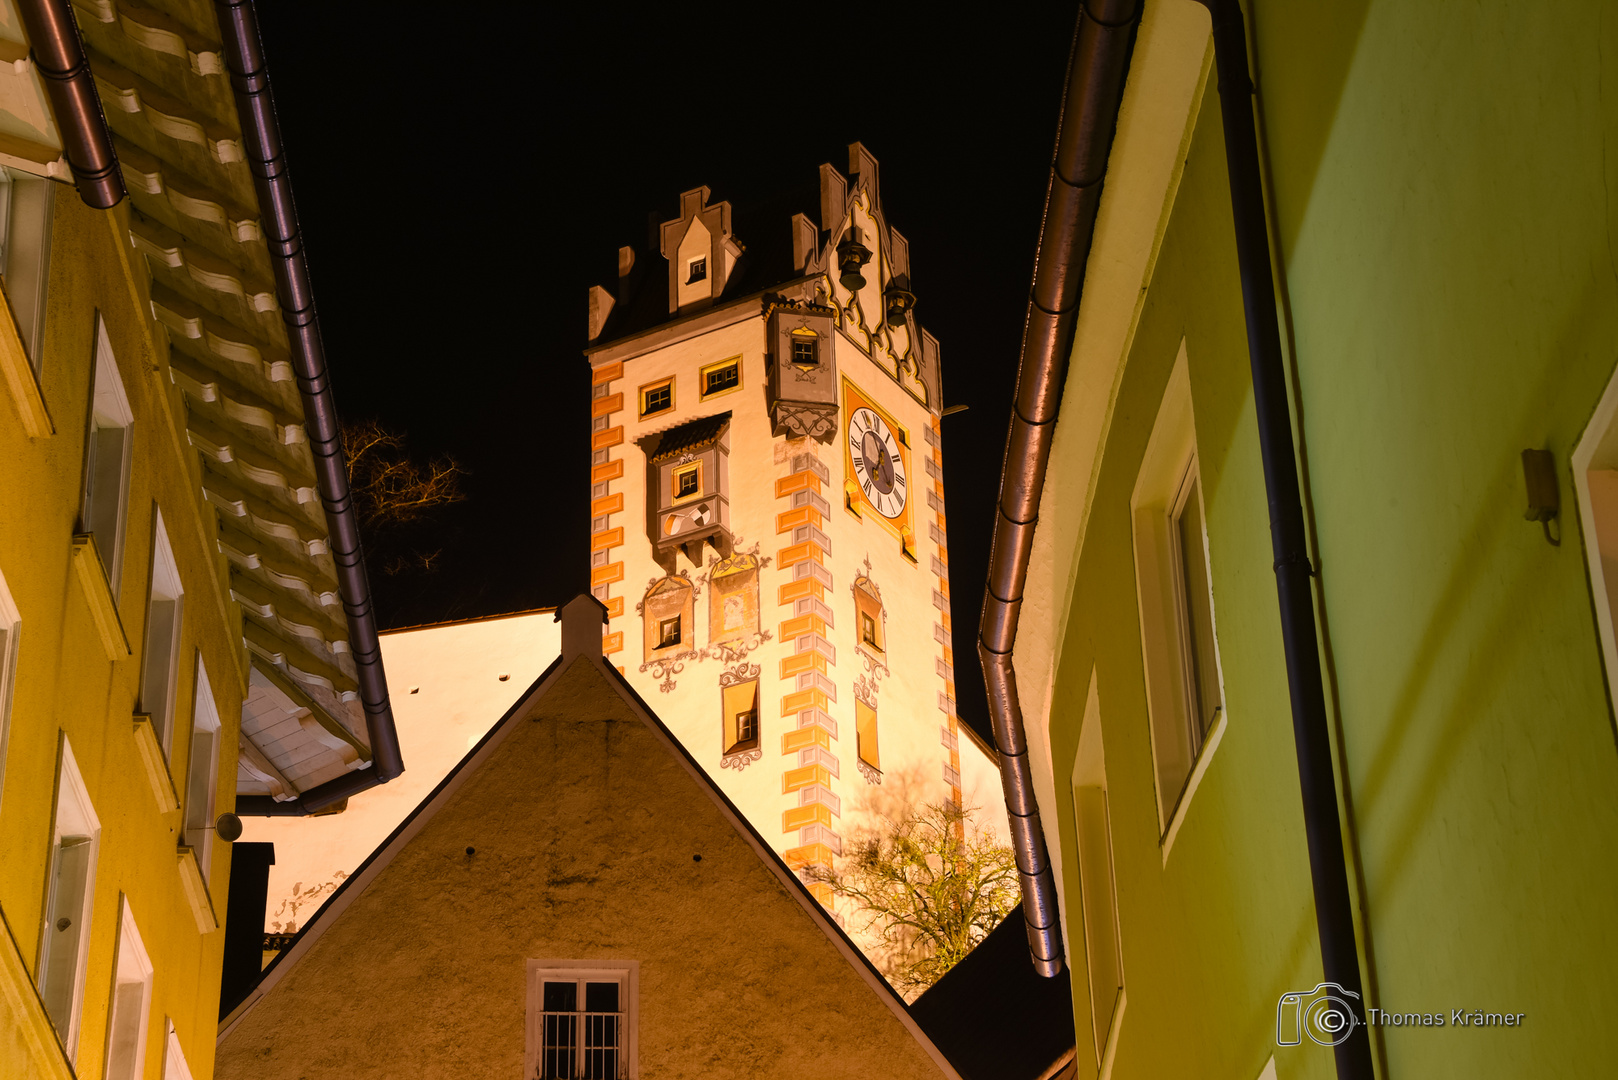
(1095, 83)
(261, 138)
(1328, 869)
(58, 53)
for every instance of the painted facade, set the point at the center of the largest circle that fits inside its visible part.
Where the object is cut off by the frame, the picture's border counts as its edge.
(578, 850)
(167, 596)
(1444, 249)
(768, 526)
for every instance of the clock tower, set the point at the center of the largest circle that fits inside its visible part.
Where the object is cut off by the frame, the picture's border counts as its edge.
(767, 511)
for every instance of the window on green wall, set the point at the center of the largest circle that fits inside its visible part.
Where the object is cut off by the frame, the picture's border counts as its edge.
(1098, 886)
(1184, 689)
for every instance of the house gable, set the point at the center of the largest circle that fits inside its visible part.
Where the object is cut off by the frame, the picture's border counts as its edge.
(585, 821)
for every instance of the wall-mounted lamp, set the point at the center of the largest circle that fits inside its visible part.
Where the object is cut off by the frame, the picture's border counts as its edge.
(1544, 495)
(229, 827)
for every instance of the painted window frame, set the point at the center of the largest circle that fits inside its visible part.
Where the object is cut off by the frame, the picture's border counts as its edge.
(1197, 646)
(27, 210)
(1594, 465)
(675, 475)
(663, 639)
(73, 810)
(868, 607)
(625, 972)
(10, 650)
(696, 269)
(175, 1067)
(736, 736)
(202, 771)
(108, 454)
(867, 737)
(165, 625)
(128, 1017)
(1168, 469)
(714, 368)
(811, 341)
(647, 389)
(1097, 872)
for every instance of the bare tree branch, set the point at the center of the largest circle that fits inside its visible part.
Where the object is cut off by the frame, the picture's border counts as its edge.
(390, 487)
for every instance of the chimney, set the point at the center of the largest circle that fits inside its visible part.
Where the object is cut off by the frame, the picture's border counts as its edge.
(582, 619)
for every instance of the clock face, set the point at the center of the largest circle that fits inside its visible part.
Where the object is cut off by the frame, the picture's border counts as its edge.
(878, 468)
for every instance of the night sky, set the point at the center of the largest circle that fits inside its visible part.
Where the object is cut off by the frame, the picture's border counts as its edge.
(464, 173)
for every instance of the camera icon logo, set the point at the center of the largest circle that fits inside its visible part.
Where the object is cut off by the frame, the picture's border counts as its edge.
(1327, 1014)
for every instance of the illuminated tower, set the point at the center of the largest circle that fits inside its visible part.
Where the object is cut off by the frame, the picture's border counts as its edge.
(767, 509)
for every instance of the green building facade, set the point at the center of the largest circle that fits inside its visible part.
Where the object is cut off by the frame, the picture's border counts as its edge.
(1442, 184)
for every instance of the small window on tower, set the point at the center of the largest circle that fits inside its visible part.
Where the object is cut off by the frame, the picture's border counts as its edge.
(696, 270)
(804, 352)
(687, 482)
(869, 615)
(720, 377)
(741, 716)
(668, 632)
(657, 397)
(865, 736)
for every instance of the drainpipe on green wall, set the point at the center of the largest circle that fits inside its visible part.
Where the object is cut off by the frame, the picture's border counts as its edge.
(1328, 868)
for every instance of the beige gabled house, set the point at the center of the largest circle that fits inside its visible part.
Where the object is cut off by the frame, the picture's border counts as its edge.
(577, 898)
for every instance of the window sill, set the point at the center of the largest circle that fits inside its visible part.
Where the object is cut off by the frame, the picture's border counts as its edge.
(196, 891)
(34, 1033)
(20, 378)
(103, 609)
(154, 764)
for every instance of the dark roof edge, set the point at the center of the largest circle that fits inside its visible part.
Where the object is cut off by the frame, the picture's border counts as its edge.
(261, 141)
(674, 327)
(496, 617)
(58, 53)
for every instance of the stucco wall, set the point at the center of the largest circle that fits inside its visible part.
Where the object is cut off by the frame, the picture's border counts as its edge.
(65, 681)
(585, 828)
(1442, 191)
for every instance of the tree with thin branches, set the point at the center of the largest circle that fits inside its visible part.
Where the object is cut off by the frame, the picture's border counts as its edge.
(930, 885)
(391, 490)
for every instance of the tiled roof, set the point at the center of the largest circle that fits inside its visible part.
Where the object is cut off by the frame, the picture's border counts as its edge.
(690, 436)
(194, 216)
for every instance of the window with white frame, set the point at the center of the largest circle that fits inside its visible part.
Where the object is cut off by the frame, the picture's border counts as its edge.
(582, 1018)
(106, 461)
(1595, 485)
(174, 1063)
(202, 771)
(131, 1002)
(1098, 885)
(75, 843)
(1184, 689)
(160, 669)
(10, 626)
(26, 205)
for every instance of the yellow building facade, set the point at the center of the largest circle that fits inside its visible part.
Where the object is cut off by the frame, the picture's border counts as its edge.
(183, 612)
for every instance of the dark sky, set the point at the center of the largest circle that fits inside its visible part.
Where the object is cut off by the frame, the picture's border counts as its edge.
(464, 173)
